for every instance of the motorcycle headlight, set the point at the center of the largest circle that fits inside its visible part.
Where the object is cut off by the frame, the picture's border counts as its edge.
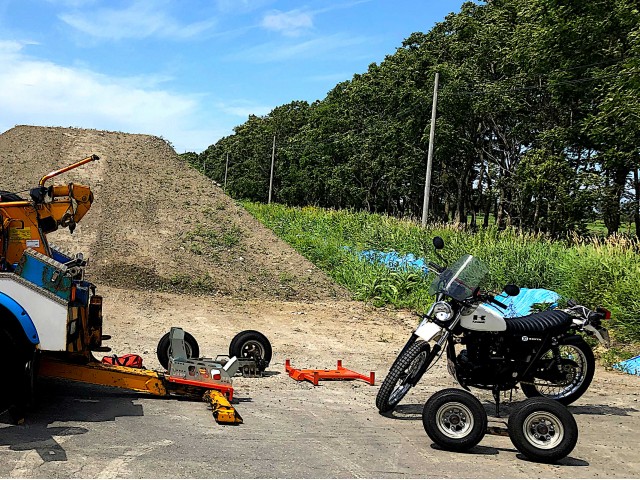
(442, 311)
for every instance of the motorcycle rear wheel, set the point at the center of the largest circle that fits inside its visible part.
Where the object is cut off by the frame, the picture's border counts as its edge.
(579, 365)
(405, 372)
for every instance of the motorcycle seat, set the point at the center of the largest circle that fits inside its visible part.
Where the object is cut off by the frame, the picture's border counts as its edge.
(551, 321)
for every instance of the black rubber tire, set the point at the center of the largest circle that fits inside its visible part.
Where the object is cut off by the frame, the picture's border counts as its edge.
(543, 430)
(163, 350)
(30, 377)
(454, 419)
(573, 392)
(252, 344)
(405, 372)
(19, 375)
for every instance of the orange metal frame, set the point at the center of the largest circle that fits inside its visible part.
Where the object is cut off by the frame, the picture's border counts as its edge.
(314, 375)
(146, 381)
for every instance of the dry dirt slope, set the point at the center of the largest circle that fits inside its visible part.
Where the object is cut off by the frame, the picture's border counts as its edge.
(155, 223)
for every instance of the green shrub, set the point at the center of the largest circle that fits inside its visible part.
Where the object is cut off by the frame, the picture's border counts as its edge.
(591, 271)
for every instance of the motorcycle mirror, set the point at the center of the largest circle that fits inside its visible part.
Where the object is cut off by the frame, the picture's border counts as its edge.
(512, 290)
(438, 243)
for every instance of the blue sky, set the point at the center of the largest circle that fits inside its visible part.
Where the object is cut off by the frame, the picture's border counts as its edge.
(188, 71)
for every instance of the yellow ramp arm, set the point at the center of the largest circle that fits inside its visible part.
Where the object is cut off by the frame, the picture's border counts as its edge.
(136, 379)
(222, 410)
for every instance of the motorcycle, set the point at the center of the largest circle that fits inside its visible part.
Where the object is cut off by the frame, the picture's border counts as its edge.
(542, 352)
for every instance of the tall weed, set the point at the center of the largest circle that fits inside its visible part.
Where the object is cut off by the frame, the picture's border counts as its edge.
(592, 271)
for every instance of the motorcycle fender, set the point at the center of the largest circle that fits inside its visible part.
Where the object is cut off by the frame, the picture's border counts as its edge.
(427, 330)
(569, 337)
(600, 333)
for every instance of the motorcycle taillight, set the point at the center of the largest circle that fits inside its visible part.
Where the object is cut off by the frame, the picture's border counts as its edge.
(606, 314)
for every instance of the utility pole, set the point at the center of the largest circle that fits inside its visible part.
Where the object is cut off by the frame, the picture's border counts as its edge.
(226, 169)
(273, 159)
(432, 134)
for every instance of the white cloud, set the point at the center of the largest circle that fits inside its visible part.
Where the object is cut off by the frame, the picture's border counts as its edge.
(277, 52)
(140, 20)
(8, 47)
(292, 23)
(37, 92)
(244, 108)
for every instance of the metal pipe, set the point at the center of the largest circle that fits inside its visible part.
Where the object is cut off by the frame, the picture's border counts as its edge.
(55, 173)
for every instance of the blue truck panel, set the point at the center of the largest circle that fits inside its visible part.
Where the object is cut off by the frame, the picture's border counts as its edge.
(22, 316)
(45, 273)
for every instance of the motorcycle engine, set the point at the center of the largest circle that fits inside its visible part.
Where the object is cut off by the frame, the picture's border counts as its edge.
(485, 361)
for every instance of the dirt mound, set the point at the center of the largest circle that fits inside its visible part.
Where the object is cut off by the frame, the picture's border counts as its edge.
(156, 223)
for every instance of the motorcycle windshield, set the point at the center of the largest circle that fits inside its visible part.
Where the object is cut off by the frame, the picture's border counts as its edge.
(460, 279)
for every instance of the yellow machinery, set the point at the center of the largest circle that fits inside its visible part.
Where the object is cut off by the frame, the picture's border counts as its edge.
(51, 317)
(25, 223)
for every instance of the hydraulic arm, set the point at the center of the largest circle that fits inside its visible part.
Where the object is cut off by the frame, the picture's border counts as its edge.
(25, 223)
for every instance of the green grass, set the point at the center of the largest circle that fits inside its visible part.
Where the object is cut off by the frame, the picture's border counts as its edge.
(592, 271)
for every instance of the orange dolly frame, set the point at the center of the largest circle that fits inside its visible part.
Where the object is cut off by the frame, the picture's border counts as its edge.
(314, 375)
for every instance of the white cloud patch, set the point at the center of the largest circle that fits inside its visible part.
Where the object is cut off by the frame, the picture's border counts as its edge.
(315, 48)
(243, 108)
(140, 20)
(37, 92)
(291, 24)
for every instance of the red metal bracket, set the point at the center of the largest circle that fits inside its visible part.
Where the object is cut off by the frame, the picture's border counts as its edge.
(314, 376)
(223, 388)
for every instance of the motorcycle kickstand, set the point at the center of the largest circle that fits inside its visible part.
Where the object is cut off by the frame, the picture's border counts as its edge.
(496, 397)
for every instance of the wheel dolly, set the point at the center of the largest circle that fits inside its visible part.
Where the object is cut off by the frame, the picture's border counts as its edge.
(197, 378)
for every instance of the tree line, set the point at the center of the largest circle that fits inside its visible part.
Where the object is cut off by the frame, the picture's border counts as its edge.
(538, 124)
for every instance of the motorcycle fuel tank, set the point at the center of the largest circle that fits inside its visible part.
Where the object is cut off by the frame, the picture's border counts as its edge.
(483, 319)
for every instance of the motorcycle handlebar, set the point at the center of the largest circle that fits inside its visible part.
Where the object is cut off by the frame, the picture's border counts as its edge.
(497, 302)
(435, 266)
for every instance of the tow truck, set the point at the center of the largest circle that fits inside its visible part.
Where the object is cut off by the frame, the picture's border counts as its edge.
(51, 316)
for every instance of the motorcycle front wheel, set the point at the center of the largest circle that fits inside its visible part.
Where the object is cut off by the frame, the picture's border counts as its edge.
(405, 372)
(578, 366)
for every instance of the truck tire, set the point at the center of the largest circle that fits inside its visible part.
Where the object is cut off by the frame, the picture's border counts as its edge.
(19, 375)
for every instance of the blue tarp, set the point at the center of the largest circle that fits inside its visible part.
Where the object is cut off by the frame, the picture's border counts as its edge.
(521, 304)
(631, 366)
(518, 306)
(395, 260)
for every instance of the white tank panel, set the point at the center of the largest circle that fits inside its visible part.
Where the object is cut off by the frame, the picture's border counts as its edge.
(484, 319)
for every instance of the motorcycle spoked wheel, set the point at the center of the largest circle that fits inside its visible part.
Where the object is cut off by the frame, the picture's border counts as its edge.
(454, 419)
(543, 430)
(578, 364)
(405, 372)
